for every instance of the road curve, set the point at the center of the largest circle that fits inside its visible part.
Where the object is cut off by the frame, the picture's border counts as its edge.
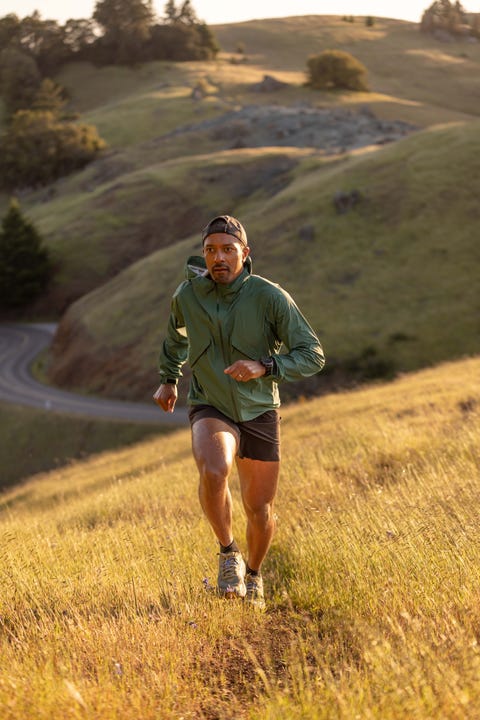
(19, 346)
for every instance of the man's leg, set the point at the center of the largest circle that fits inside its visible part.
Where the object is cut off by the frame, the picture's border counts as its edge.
(258, 484)
(214, 444)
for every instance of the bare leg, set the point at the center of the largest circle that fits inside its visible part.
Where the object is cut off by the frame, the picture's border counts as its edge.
(258, 483)
(214, 445)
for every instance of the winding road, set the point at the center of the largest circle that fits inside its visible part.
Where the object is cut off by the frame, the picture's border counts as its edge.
(19, 346)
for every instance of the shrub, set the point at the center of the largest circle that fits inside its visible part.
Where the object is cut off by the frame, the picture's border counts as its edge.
(37, 148)
(333, 69)
(25, 265)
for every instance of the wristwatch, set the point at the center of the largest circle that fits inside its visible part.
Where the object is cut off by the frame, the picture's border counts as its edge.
(269, 365)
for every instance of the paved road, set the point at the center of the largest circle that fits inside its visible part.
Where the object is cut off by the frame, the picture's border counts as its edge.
(19, 346)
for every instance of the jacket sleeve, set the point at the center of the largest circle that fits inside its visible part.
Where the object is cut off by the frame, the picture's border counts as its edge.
(304, 354)
(175, 346)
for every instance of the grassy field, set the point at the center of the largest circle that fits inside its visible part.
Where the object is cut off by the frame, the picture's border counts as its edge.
(372, 580)
(33, 440)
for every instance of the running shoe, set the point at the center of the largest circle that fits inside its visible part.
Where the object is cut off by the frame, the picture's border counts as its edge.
(231, 574)
(254, 595)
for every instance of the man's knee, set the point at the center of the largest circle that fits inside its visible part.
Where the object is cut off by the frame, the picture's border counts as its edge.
(213, 478)
(259, 513)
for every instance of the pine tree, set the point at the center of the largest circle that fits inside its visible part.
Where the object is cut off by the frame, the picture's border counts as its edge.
(25, 265)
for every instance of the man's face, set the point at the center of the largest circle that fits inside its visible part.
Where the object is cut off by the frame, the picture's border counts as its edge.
(224, 257)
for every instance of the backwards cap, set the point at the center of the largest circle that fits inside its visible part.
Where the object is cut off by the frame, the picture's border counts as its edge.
(225, 224)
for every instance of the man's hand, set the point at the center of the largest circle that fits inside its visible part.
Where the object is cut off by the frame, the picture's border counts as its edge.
(245, 370)
(166, 397)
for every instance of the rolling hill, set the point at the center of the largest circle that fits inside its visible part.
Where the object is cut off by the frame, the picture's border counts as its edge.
(392, 282)
(390, 285)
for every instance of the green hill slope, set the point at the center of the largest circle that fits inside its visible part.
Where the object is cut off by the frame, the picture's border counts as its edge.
(107, 216)
(35, 441)
(371, 581)
(389, 286)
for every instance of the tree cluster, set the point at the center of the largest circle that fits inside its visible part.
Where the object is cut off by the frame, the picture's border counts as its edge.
(130, 33)
(124, 32)
(25, 264)
(449, 17)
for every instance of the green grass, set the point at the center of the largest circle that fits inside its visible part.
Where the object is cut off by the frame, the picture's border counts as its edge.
(34, 440)
(97, 231)
(372, 579)
(396, 276)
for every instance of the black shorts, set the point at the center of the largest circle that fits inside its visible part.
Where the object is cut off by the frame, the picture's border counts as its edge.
(259, 438)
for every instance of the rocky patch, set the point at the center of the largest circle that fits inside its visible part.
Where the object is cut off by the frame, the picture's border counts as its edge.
(333, 130)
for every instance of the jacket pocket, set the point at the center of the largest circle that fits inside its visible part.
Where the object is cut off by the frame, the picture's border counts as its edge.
(253, 352)
(196, 351)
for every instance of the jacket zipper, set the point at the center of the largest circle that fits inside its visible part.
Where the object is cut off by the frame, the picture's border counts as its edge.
(226, 360)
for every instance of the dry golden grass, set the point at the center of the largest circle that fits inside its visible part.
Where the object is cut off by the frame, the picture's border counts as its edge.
(372, 580)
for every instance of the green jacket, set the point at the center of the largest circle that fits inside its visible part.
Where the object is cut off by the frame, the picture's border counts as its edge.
(212, 325)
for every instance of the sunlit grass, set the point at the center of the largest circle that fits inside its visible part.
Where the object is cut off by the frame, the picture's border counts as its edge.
(372, 580)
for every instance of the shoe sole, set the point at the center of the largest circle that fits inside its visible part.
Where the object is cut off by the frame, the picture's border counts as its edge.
(232, 594)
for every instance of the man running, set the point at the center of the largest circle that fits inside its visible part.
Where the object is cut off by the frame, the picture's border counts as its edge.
(242, 335)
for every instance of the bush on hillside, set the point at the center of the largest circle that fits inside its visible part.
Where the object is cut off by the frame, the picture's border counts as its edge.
(25, 265)
(336, 69)
(38, 148)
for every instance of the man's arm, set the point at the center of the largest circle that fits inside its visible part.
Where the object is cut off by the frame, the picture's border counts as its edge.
(304, 356)
(172, 356)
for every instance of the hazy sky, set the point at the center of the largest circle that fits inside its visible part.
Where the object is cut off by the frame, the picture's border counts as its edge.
(225, 11)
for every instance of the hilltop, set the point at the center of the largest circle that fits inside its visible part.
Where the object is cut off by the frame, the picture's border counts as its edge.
(384, 284)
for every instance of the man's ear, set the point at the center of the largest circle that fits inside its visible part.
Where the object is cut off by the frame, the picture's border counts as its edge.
(246, 252)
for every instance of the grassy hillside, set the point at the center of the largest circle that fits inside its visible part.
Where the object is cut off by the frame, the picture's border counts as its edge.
(372, 579)
(131, 216)
(413, 78)
(34, 441)
(389, 286)
(417, 74)
(392, 283)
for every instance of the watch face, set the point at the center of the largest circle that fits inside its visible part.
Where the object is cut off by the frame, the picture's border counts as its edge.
(268, 365)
